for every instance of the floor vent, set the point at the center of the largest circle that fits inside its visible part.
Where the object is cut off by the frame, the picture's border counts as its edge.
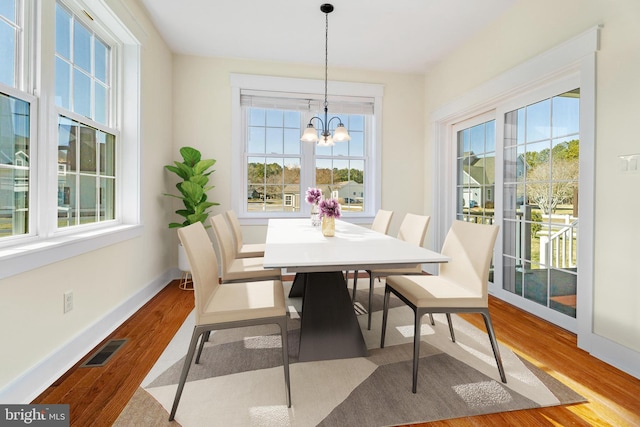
(104, 353)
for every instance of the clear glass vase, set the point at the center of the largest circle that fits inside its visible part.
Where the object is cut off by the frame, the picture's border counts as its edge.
(315, 215)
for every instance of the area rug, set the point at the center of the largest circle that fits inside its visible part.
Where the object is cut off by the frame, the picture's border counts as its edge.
(240, 380)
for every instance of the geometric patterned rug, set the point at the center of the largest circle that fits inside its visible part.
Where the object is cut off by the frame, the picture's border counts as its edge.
(240, 380)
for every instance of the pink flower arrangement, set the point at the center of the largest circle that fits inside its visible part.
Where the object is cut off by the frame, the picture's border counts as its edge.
(314, 195)
(329, 208)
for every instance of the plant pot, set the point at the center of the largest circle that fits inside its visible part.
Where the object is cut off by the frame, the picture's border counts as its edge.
(328, 226)
(186, 281)
(183, 261)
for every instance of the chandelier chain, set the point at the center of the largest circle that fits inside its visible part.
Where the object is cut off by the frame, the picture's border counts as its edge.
(326, 58)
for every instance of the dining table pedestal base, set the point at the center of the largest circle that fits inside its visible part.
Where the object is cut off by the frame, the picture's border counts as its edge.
(329, 327)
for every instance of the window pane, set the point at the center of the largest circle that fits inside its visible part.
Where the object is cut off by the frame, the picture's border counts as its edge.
(107, 153)
(255, 170)
(14, 166)
(100, 64)
(81, 93)
(356, 145)
(88, 155)
(256, 143)
(66, 146)
(88, 208)
(63, 32)
(7, 53)
(67, 213)
(257, 117)
(275, 118)
(81, 47)
(292, 141)
(292, 120)
(566, 113)
(63, 84)
(107, 198)
(100, 115)
(539, 121)
(275, 140)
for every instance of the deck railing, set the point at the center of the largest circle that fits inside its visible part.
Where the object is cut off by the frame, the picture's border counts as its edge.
(559, 248)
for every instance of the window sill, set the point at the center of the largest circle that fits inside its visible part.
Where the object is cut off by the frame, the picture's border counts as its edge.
(29, 256)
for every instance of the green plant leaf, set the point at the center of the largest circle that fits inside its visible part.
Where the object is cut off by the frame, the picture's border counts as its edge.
(200, 180)
(192, 192)
(182, 174)
(190, 155)
(200, 167)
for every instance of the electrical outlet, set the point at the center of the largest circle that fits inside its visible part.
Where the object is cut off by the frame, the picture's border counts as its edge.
(68, 301)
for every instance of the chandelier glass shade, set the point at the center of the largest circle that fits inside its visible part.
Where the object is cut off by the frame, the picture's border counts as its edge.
(340, 133)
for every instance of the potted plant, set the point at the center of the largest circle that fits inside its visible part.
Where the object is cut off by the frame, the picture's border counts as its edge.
(194, 174)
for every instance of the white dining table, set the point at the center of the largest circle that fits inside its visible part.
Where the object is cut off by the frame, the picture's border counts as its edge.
(329, 328)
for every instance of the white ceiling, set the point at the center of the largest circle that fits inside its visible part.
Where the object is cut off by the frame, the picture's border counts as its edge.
(394, 35)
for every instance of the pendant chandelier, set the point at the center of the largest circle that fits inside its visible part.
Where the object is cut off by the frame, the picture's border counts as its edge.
(311, 134)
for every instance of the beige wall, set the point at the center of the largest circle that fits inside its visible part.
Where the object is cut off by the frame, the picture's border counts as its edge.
(528, 29)
(202, 101)
(33, 325)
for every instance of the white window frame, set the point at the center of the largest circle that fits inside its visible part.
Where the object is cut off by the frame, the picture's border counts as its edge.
(373, 161)
(46, 244)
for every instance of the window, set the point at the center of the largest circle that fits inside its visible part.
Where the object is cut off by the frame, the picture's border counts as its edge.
(275, 168)
(68, 131)
(86, 189)
(15, 125)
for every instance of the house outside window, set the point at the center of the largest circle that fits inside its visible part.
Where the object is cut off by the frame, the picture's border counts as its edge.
(276, 168)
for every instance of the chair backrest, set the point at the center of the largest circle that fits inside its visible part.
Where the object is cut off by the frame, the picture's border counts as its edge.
(203, 263)
(235, 227)
(381, 221)
(414, 228)
(223, 236)
(470, 247)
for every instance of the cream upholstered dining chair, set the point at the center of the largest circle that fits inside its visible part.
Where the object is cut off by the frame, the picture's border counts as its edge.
(460, 287)
(380, 223)
(412, 230)
(227, 306)
(235, 269)
(243, 250)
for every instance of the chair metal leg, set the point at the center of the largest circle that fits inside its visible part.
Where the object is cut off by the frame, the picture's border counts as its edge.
(371, 279)
(494, 344)
(285, 359)
(203, 339)
(453, 335)
(416, 347)
(197, 332)
(433, 323)
(385, 308)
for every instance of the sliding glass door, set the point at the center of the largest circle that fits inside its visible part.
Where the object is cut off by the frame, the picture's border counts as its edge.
(518, 167)
(540, 202)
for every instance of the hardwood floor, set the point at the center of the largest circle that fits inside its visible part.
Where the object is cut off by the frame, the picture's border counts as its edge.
(97, 395)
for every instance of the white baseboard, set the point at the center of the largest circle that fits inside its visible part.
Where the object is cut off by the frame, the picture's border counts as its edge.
(34, 381)
(616, 355)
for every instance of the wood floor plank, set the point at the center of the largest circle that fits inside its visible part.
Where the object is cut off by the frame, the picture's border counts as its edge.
(98, 395)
